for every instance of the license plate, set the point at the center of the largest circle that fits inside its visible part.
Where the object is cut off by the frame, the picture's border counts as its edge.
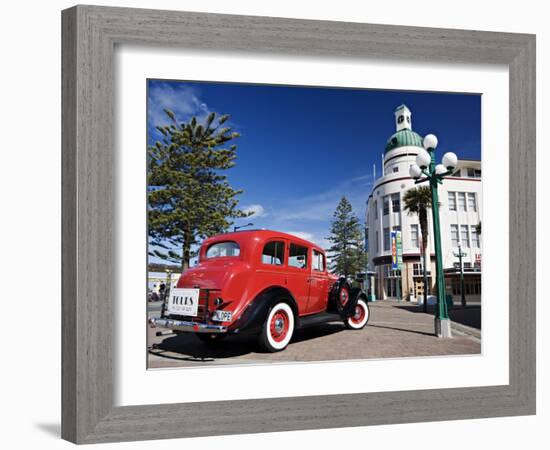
(184, 302)
(222, 316)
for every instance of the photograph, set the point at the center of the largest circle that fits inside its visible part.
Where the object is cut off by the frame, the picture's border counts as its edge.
(272, 226)
(294, 224)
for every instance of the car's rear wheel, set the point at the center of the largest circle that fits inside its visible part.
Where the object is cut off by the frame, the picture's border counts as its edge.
(278, 328)
(209, 338)
(360, 317)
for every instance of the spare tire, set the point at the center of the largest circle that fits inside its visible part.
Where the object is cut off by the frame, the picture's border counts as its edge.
(341, 294)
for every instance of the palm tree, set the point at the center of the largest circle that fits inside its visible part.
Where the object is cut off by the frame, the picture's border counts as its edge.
(417, 201)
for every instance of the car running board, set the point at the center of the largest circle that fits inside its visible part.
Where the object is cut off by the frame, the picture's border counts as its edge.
(315, 319)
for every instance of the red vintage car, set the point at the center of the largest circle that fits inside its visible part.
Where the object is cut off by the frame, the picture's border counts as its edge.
(264, 282)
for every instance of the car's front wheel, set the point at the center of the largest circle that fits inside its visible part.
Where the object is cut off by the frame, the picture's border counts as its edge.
(278, 328)
(360, 317)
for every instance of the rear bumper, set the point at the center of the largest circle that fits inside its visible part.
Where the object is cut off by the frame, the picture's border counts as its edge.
(183, 325)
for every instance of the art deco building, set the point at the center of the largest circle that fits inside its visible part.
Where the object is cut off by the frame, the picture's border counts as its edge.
(460, 217)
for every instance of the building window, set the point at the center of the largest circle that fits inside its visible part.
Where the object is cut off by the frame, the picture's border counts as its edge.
(461, 201)
(274, 253)
(417, 270)
(454, 235)
(377, 243)
(452, 201)
(414, 235)
(475, 236)
(395, 169)
(477, 287)
(375, 209)
(400, 119)
(474, 173)
(455, 287)
(472, 204)
(386, 205)
(387, 243)
(297, 257)
(395, 203)
(477, 264)
(392, 278)
(464, 236)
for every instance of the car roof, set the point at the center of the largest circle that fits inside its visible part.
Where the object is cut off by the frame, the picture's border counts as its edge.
(246, 235)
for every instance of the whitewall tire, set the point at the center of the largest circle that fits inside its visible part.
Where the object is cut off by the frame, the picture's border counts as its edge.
(278, 328)
(360, 317)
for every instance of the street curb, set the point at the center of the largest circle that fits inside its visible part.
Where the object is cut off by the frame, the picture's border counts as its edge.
(464, 329)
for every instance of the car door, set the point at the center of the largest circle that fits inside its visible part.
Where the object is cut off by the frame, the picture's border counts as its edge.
(298, 270)
(317, 296)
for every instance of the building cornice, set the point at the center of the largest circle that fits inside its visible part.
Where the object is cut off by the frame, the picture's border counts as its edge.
(410, 178)
(386, 259)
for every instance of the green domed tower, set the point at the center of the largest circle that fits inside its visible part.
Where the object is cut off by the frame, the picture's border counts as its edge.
(404, 136)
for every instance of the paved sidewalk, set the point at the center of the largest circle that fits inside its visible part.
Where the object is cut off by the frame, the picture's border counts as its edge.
(395, 330)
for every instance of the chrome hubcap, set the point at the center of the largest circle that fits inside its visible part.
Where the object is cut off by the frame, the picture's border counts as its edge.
(279, 325)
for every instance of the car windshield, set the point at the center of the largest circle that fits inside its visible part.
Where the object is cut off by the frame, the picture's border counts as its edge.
(220, 249)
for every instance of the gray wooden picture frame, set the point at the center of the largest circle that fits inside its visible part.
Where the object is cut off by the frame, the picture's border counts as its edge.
(90, 34)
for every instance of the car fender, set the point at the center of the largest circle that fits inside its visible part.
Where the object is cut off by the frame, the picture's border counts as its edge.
(355, 294)
(255, 313)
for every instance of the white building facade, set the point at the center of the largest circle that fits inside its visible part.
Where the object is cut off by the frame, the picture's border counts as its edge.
(460, 217)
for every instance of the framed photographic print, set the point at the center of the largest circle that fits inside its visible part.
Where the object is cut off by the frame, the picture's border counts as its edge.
(255, 209)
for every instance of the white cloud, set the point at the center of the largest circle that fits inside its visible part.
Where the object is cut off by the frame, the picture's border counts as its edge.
(257, 210)
(316, 237)
(320, 207)
(302, 235)
(183, 101)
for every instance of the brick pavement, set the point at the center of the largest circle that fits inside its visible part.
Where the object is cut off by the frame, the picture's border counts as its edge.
(395, 330)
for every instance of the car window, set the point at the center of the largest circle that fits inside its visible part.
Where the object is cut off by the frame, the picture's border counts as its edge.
(297, 256)
(318, 262)
(274, 253)
(220, 249)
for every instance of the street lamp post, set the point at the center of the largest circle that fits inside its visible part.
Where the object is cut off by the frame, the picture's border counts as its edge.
(434, 174)
(460, 255)
(242, 226)
(425, 278)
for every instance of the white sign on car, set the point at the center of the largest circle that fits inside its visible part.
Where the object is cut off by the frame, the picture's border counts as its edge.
(184, 302)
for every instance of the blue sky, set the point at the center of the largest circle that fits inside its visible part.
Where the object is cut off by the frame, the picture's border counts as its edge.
(301, 149)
